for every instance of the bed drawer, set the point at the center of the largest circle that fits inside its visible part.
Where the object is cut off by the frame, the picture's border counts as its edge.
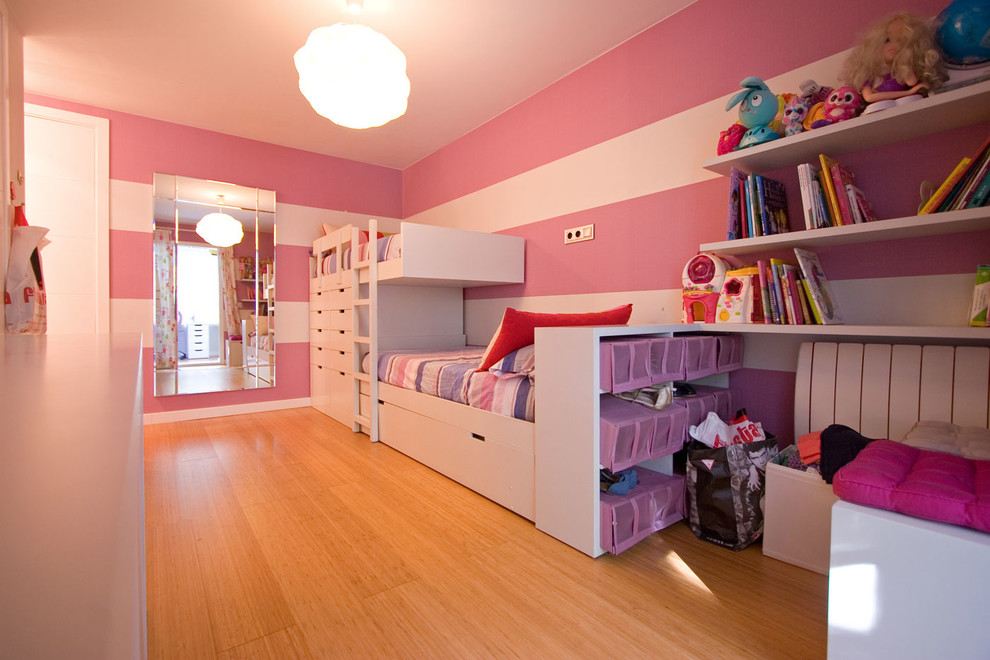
(486, 465)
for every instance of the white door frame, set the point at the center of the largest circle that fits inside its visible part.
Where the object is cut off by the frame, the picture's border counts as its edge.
(101, 131)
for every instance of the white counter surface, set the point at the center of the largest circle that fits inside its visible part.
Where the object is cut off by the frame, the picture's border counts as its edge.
(71, 497)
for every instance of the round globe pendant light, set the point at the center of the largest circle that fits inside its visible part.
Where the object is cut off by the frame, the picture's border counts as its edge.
(220, 229)
(353, 76)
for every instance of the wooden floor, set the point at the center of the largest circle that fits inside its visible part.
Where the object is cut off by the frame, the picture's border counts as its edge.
(283, 535)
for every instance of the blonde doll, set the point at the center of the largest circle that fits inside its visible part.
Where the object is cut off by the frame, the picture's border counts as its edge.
(897, 58)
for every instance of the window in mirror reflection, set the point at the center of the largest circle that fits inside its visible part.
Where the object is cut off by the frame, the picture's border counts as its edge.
(214, 326)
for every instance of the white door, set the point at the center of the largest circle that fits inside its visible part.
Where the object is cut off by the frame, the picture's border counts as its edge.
(67, 188)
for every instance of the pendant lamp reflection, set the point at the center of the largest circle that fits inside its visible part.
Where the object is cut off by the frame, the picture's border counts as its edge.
(353, 76)
(220, 229)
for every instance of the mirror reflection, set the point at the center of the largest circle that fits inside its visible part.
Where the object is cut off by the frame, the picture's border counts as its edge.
(214, 276)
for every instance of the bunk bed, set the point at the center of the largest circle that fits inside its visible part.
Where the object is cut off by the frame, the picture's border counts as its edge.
(410, 296)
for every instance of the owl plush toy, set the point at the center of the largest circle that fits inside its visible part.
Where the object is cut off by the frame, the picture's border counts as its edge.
(843, 103)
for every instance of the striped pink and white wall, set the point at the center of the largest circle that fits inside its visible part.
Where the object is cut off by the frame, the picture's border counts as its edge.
(310, 189)
(620, 142)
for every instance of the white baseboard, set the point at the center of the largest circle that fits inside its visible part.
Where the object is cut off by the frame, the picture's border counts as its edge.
(223, 411)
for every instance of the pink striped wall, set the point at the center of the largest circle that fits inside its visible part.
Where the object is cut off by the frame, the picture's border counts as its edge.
(140, 146)
(699, 54)
(641, 244)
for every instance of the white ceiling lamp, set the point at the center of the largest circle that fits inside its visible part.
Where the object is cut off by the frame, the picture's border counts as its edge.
(220, 229)
(352, 75)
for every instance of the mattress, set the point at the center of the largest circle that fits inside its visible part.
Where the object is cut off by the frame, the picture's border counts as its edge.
(389, 247)
(450, 374)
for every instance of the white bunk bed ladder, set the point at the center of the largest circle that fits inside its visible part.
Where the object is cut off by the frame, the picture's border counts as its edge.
(365, 311)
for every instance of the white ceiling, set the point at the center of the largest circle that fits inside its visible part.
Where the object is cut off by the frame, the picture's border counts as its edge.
(226, 65)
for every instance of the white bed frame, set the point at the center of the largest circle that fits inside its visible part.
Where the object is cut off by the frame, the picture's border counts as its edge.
(899, 586)
(416, 301)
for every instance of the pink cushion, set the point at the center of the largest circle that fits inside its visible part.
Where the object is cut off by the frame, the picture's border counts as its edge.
(517, 328)
(917, 482)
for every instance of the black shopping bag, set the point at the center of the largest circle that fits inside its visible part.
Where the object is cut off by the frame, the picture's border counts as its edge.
(725, 488)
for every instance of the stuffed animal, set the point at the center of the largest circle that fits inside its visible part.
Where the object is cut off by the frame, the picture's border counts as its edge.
(814, 92)
(794, 113)
(729, 139)
(758, 107)
(841, 104)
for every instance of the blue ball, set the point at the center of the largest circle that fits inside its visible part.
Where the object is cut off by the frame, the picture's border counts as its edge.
(962, 31)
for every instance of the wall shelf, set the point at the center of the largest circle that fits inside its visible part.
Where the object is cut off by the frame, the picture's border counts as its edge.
(913, 332)
(940, 112)
(950, 222)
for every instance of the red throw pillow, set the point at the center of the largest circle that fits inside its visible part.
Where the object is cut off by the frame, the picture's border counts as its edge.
(517, 328)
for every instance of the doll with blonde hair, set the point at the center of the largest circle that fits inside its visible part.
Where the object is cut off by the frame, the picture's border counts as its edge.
(896, 59)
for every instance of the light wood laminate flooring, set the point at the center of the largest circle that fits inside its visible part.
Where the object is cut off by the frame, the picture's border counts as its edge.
(285, 535)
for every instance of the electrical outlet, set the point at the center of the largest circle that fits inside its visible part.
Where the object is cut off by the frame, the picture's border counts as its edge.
(578, 234)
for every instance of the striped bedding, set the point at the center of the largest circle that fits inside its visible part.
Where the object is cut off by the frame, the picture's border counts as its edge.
(389, 247)
(450, 374)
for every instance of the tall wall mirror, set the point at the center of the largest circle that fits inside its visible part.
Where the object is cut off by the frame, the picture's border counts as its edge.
(214, 269)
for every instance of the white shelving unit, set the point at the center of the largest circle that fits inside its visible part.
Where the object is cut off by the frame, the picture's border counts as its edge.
(941, 112)
(951, 222)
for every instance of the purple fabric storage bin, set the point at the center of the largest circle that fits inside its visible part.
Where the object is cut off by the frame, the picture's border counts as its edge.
(699, 357)
(670, 432)
(708, 399)
(626, 432)
(666, 359)
(625, 364)
(656, 502)
(729, 352)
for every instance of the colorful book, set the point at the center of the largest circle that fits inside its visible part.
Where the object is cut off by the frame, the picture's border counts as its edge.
(761, 267)
(860, 206)
(754, 207)
(979, 173)
(842, 177)
(809, 318)
(775, 205)
(778, 291)
(982, 194)
(793, 277)
(828, 216)
(807, 196)
(734, 227)
(821, 293)
(829, 187)
(959, 190)
(943, 190)
(811, 302)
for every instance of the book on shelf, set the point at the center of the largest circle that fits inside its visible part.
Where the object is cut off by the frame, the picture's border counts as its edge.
(813, 197)
(829, 187)
(757, 206)
(943, 190)
(859, 205)
(962, 191)
(734, 228)
(761, 267)
(822, 299)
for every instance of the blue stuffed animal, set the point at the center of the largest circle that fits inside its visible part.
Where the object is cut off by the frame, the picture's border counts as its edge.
(759, 107)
